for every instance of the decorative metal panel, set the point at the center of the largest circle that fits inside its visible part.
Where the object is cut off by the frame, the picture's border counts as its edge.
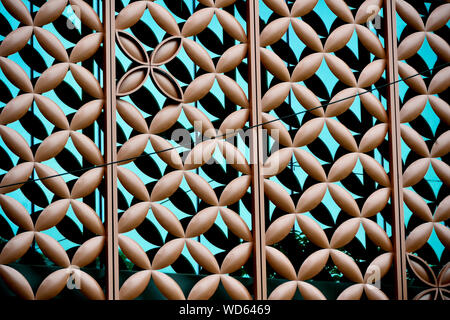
(51, 105)
(422, 30)
(224, 149)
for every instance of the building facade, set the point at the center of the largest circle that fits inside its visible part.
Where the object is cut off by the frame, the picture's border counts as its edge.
(224, 149)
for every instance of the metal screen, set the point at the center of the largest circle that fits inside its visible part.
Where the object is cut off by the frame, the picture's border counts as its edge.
(224, 149)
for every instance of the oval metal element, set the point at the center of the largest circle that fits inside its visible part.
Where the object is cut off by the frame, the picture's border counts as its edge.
(235, 190)
(231, 26)
(280, 263)
(132, 81)
(132, 149)
(313, 231)
(51, 77)
(87, 148)
(340, 8)
(16, 282)
(308, 100)
(235, 289)
(197, 22)
(198, 88)
(418, 237)
(377, 235)
(16, 247)
(16, 74)
(16, 108)
(167, 84)
(341, 70)
(236, 258)
(232, 90)
(338, 38)
(49, 12)
(279, 229)
(302, 7)
(413, 108)
(87, 183)
(201, 188)
(163, 18)
(52, 215)
(86, 47)
(201, 222)
(168, 253)
(52, 249)
(311, 197)
(166, 51)
(370, 41)
(130, 15)
(51, 44)
(134, 252)
(231, 58)
(371, 73)
(53, 284)
(375, 202)
(344, 199)
(133, 216)
(168, 287)
(274, 64)
(132, 183)
(236, 224)
(347, 266)
(87, 114)
(278, 195)
(166, 186)
(342, 135)
(88, 251)
(285, 291)
(16, 177)
(131, 115)
(342, 167)
(87, 81)
(167, 220)
(16, 212)
(15, 41)
(374, 170)
(88, 217)
(205, 288)
(198, 55)
(373, 138)
(165, 119)
(19, 11)
(345, 233)
(135, 285)
(166, 152)
(274, 31)
(51, 111)
(87, 15)
(16, 143)
(313, 264)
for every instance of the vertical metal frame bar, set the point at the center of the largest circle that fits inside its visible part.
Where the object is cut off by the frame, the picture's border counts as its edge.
(393, 103)
(254, 83)
(109, 84)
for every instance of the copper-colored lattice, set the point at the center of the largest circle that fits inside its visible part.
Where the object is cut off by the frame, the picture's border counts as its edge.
(386, 147)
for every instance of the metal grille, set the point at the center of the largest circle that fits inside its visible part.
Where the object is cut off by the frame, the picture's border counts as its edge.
(224, 149)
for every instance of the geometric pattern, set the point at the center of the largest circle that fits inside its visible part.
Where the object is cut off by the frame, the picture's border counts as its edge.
(185, 206)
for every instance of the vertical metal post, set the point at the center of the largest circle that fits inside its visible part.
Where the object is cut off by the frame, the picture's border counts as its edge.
(254, 90)
(393, 102)
(109, 84)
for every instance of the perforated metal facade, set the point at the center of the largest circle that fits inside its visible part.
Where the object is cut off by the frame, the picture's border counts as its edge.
(338, 188)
